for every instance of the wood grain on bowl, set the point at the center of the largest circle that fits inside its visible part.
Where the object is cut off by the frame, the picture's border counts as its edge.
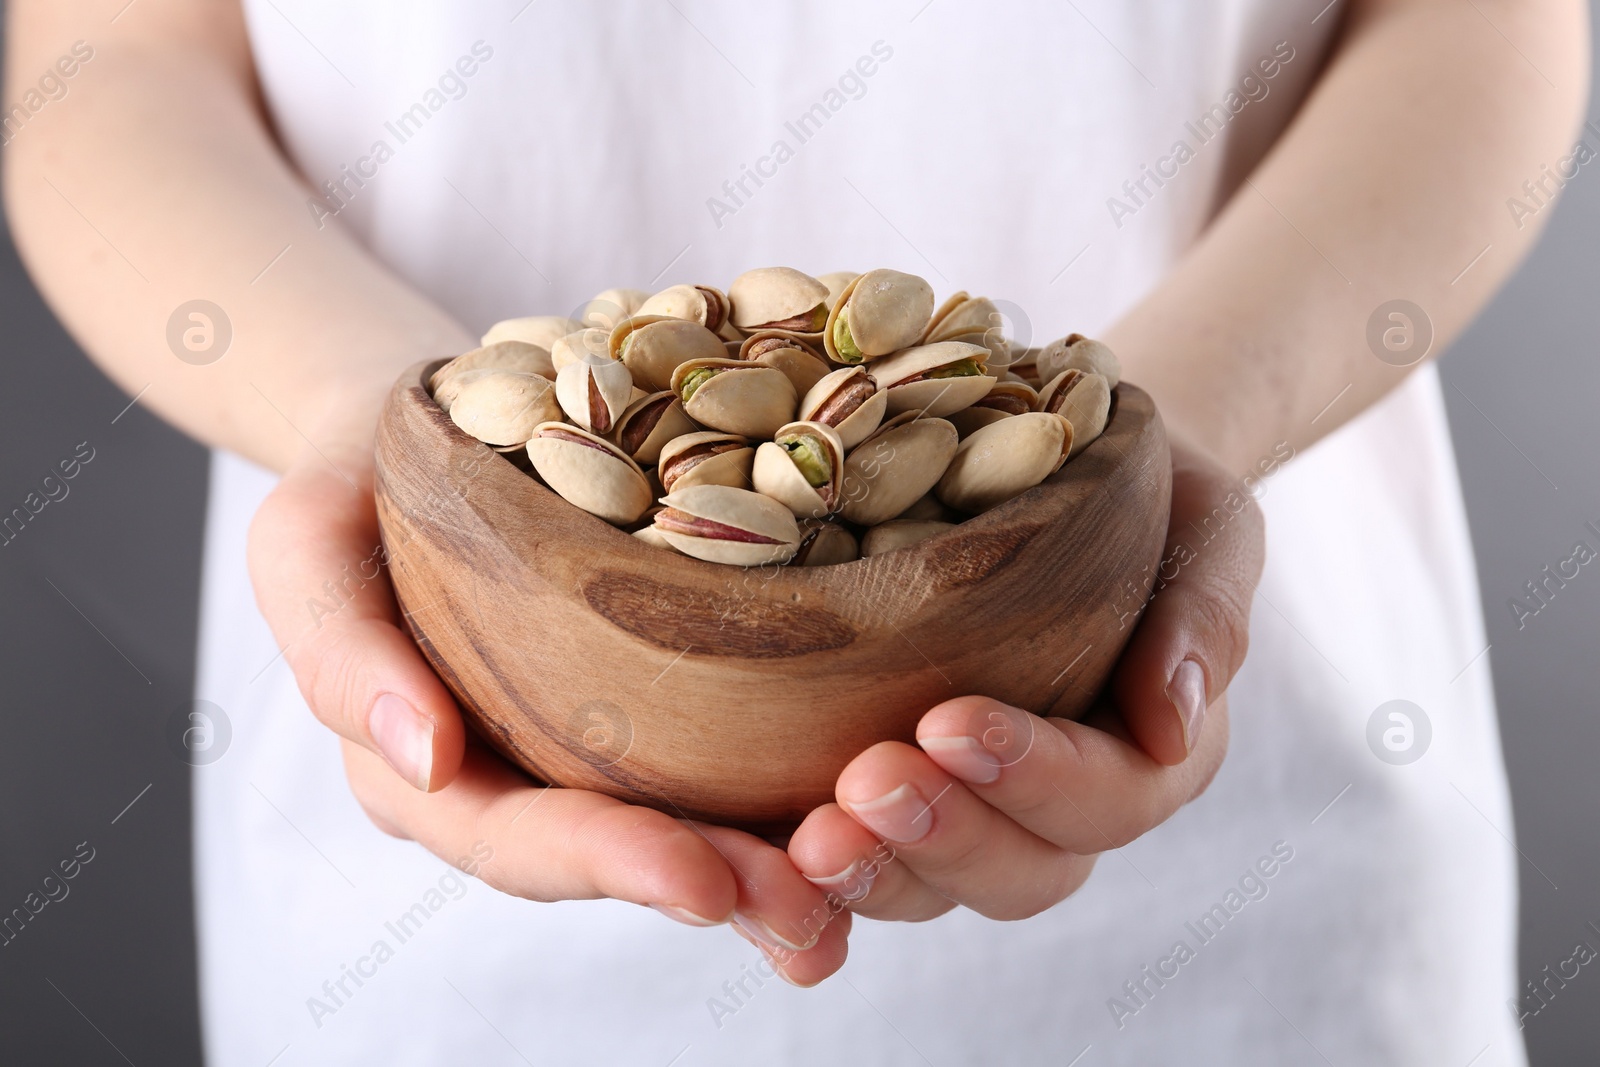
(597, 661)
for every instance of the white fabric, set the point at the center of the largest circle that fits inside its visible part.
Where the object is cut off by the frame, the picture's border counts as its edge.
(981, 153)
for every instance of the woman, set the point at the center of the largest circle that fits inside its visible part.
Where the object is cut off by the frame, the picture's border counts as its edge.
(1232, 194)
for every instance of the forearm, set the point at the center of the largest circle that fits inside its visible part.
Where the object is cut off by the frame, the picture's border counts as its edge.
(155, 182)
(1392, 179)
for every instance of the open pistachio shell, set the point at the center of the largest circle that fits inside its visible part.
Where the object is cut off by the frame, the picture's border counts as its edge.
(974, 319)
(574, 346)
(1077, 352)
(1007, 398)
(731, 395)
(501, 355)
(594, 392)
(649, 423)
(704, 304)
(802, 468)
(653, 346)
(706, 457)
(541, 330)
(824, 544)
(791, 353)
(611, 307)
(899, 533)
(589, 472)
(939, 379)
(849, 400)
(1083, 399)
(887, 472)
(880, 312)
(1004, 460)
(779, 298)
(502, 407)
(725, 525)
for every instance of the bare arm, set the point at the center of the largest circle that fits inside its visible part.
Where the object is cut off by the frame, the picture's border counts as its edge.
(1393, 177)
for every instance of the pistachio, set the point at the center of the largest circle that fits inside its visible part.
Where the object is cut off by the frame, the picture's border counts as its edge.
(1083, 399)
(1077, 352)
(800, 362)
(837, 282)
(696, 303)
(802, 468)
(589, 472)
(779, 298)
(653, 346)
(502, 407)
(900, 533)
(706, 458)
(611, 307)
(880, 312)
(652, 536)
(939, 379)
(594, 392)
(748, 399)
(1005, 459)
(849, 400)
(500, 355)
(1007, 398)
(824, 544)
(975, 320)
(649, 423)
(928, 508)
(725, 525)
(541, 331)
(901, 461)
(574, 346)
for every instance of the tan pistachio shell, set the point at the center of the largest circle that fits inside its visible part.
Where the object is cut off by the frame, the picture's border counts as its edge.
(502, 407)
(936, 396)
(887, 311)
(748, 399)
(607, 309)
(574, 346)
(794, 354)
(589, 472)
(542, 331)
(740, 509)
(855, 427)
(671, 421)
(929, 508)
(653, 346)
(594, 392)
(890, 470)
(776, 475)
(1007, 398)
(974, 319)
(900, 533)
(825, 544)
(771, 297)
(652, 536)
(1077, 352)
(705, 304)
(731, 467)
(837, 282)
(1083, 399)
(1004, 460)
(500, 355)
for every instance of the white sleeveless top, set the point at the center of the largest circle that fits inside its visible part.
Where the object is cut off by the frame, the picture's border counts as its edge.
(1317, 902)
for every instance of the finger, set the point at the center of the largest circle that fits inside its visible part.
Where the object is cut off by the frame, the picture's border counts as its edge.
(952, 840)
(545, 843)
(850, 864)
(317, 566)
(1196, 629)
(801, 932)
(1079, 786)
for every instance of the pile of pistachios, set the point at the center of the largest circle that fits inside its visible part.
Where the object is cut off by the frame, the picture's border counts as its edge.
(788, 419)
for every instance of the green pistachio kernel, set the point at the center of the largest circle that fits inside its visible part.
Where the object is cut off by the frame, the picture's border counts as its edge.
(848, 352)
(819, 318)
(693, 381)
(961, 368)
(627, 343)
(811, 457)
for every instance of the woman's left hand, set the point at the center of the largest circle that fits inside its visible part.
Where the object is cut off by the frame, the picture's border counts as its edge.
(1003, 811)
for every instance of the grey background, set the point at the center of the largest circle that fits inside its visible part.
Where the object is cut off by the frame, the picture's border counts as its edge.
(98, 601)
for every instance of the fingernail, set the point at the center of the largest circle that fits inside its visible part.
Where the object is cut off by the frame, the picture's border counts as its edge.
(688, 918)
(405, 737)
(901, 816)
(850, 885)
(766, 936)
(963, 757)
(1187, 691)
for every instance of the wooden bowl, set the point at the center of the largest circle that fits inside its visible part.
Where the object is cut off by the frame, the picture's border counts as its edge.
(596, 661)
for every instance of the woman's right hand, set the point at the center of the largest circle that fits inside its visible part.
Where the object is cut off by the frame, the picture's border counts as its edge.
(418, 775)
